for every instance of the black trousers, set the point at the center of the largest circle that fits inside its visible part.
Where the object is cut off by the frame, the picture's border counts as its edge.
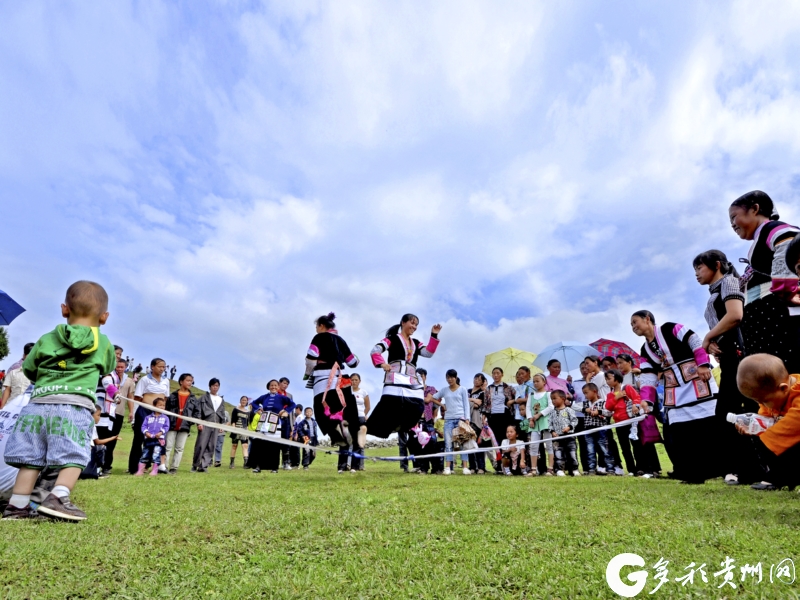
(115, 430)
(402, 446)
(583, 453)
(265, 455)
(625, 444)
(781, 470)
(498, 423)
(138, 439)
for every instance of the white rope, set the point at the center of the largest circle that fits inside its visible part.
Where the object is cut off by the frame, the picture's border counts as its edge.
(237, 430)
(279, 440)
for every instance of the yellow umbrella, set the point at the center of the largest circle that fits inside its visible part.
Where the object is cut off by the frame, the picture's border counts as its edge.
(510, 360)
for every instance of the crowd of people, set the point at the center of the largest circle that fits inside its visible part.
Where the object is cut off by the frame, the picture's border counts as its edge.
(541, 425)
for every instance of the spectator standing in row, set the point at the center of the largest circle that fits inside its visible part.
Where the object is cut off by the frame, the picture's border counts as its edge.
(182, 402)
(154, 385)
(210, 408)
(240, 418)
(221, 442)
(15, 382)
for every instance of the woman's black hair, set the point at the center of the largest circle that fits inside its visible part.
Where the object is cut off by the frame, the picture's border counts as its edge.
(395, 329)
(269, 383)
(155, 361)
(710, 258)
(453, 373)
(758, 198)
(498, 369)
(184, 376)
(616, 374)
(212, 381)
(626, 357)
(327, 321)
(246, 398)
(645, 314)
(594, 359)
(610, 359)
(481, 376)
(355, 375)
(793, 253)
(422, 372)
(551, 361)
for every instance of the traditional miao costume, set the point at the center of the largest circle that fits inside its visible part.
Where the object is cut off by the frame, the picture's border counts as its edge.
(692, 430)
(770, 325)
(402, 400)
(739, 457)
(334, 402)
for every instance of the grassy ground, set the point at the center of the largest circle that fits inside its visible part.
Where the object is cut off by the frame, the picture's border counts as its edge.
(382, 534)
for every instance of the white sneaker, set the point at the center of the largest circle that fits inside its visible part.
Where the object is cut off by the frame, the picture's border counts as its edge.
(601, 470)
(466, 471)
(647, 476)
(447, 471)
(576, 473)
(288, 467)
(619, 471)
(340, 471)
(560, 474)
(162, 469)
(352, 470)
(631, 474)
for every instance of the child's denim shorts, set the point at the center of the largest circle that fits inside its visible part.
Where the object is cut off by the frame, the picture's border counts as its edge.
(51, 435)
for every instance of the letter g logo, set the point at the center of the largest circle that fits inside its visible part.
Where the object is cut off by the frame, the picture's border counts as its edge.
(638, 578)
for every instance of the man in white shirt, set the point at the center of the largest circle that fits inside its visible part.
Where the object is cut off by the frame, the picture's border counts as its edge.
(15, 382)
(148, 388)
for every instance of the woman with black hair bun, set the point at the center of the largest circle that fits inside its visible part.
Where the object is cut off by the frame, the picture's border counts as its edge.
(674, 353)
(402, 400)
(771, 320)
(334, 403)
(724, 312)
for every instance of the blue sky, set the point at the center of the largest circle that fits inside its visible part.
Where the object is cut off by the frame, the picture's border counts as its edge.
(520, 172)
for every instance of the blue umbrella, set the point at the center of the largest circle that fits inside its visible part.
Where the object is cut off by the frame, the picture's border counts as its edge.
(565, 353)
(9, 309)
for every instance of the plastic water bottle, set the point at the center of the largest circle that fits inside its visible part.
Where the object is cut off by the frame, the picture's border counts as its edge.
(753, 423)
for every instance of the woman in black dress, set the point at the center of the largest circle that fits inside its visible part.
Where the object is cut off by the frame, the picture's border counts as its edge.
(771, 320)
(724, 312)
(334, 403)
(402, 400)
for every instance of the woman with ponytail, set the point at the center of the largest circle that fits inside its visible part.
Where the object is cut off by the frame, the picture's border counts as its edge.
(724, 312)
(402, 401)
(771, 320)
(334, 403)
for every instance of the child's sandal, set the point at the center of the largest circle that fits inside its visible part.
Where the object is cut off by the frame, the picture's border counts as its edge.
(550, 472)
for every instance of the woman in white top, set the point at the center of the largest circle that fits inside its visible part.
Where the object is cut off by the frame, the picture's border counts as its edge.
(456, 405)
(630, 376)
(362, 403)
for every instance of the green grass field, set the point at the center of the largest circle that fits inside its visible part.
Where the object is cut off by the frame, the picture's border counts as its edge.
(382, 534)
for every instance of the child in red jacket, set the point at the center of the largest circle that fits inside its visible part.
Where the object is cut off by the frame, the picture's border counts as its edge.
(624, 403)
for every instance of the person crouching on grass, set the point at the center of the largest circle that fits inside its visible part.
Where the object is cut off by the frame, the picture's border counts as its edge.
(94, 470)
(764, 378)
(512, 451)
(154, 428)
(306, 431)
(54, 429)
(562, 422)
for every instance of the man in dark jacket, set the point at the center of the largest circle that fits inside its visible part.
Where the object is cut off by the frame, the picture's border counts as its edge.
(210, 407)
